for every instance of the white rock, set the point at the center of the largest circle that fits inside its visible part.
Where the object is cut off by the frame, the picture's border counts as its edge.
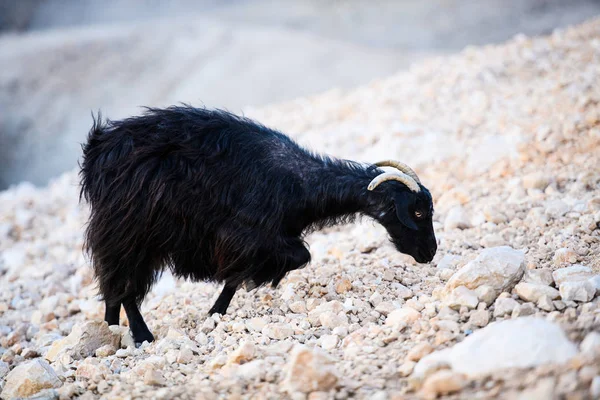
(499, 268)
(419, 351)
(448, 261)
(591, 344)
(4, 368)
(486, 294)
(573, 273)
(329, 342)
(595, 281)
(404, 315)
(278, 330)
(595, 387)
(29, 378)
(545, 303)
(84, 340)
(457, 218)
(442, 383)
(242, 354)
(523, 310)
(582, 291)
(534, 291)
(518, 343)
(252, 370)
(542, 276)
(461, 296)
(154, 378)
(564, 255)
(331, 320)
(256, 324)
(309, 370)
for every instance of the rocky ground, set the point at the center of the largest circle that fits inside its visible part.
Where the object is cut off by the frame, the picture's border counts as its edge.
(508, 140)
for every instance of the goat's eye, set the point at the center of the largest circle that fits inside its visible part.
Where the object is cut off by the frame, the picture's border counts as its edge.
(418, 214)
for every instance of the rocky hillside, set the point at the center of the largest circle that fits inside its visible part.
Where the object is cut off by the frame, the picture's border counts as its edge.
(508, 140)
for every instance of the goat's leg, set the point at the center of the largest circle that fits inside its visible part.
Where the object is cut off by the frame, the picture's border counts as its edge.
(137, 325)
(111, 314)
(222, 303)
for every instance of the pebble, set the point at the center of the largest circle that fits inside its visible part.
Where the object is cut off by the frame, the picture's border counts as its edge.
(499, 268)
(457, 218)
(581, 291)
(591, 344)
(419, 351)
(277, 330)
(402, 316)
(517, 343)
(309, 370)
(442, 383)
(534, 291)
(461, 296)
(84, 340)
(29, 378)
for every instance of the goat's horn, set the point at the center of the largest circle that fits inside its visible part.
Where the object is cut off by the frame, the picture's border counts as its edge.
(401, 167)
(395, 176)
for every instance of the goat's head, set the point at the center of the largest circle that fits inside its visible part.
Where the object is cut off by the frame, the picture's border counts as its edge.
(408, 211)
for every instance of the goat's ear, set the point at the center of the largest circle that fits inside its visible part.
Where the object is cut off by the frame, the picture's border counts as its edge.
(404, 203)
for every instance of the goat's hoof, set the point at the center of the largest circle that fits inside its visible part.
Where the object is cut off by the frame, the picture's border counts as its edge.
(143, 337)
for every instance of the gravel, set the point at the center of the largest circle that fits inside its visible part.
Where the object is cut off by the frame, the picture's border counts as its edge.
(508, 135)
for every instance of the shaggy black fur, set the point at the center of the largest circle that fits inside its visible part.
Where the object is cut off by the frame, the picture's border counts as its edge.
(218, 197)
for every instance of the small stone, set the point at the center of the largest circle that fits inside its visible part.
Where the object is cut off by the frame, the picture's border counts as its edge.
(499, 268)
(581, 291)
(485, 294)
(154, 378)
(542, 276)
(545, 303)
(492, 240)
(479, 318)
(343, 285)
(256, 324)
(105, 351)
(523, 310)
(375, 299)
(329, 342)
(562, 256)
(29, 378)
(534, 291)
(331, 320)
(243, 354)
(449, 261)
(457, 218)
(298, 307)
(384, 308)
(573, 273)
(559, 305)
(123, 353)
(309, 370)
(591, 344)
(404, 315)
(595, 387)
(461, 296)
(442, 383)
(535, 180)
(208, 325)
(277, 330)
(406, 368)
(543, 390)
(185, 355)
(419, 351)
(4, 368)
(84, 340)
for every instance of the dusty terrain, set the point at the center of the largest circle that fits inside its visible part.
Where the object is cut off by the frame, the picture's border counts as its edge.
(506, 137)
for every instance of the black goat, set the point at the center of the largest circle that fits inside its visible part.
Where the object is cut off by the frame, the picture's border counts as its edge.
(214, 196)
